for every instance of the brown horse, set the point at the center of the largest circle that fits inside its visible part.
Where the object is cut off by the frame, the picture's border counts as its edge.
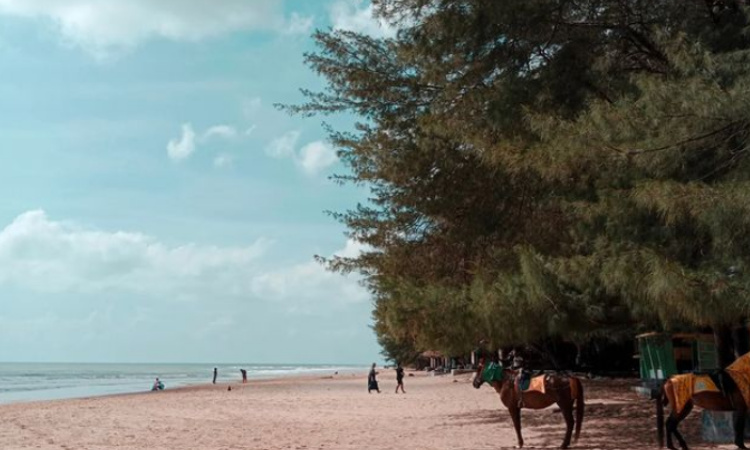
(710, 400)
(566, 391)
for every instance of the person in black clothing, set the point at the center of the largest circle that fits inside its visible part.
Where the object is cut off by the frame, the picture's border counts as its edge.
(372, 382)
(244, 375)
(216, 372)
(400, 378)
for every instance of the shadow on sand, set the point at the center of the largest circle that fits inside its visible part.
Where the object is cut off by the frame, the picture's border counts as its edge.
(616, 418)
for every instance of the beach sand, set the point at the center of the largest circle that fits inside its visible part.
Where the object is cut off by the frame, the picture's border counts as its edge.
(437, 412)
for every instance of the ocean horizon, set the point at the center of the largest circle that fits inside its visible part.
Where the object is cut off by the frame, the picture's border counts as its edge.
(26, 382)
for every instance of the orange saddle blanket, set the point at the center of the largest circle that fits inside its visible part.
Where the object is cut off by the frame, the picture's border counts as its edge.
(688, 384)
(536, 384)
(740, 373)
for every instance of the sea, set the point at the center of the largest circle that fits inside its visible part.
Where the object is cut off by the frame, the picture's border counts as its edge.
(24, 382)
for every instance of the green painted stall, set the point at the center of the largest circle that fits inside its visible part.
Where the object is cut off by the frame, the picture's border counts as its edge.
(662, 355)
(656, 356)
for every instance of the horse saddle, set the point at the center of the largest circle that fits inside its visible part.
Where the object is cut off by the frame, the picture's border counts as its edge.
(685, 385)
(739, 372)
(527, 381)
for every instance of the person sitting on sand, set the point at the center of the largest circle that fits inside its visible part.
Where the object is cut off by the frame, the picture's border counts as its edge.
(400, 378)
(158, 385)
(372, 382)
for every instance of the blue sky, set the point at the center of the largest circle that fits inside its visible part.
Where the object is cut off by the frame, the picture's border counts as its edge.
(157, 207)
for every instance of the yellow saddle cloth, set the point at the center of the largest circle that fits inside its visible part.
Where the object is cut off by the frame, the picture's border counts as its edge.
(536, 384)
(740, 373)
(688, 384)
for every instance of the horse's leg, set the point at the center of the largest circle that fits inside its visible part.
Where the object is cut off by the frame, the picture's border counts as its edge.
(672, 421)
(660, 400)
(676, 422)
(567, 411)
(580, 406)
(515, 415)
(739, 426)
(670, 429)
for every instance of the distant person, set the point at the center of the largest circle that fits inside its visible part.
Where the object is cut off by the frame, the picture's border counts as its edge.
(216, 372)
(244, 375)
(400, 378)
(158, 385)
(372, 381)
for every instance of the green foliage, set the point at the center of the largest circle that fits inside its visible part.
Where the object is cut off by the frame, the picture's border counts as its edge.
(545, 169)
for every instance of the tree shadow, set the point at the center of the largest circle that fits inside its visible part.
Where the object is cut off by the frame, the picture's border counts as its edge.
(615, 418)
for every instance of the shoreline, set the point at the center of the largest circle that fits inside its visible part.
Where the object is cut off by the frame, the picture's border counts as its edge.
(183, 389)
(190, 387)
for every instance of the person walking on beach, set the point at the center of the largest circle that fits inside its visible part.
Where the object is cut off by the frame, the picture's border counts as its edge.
(244, 375)
(216, 372)
(372, 382)
(400, 378)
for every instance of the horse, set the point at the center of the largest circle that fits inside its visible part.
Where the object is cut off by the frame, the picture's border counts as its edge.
(729, 400)
(566, 391)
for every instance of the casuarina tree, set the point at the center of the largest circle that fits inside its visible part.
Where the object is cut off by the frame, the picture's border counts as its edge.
(547, 169)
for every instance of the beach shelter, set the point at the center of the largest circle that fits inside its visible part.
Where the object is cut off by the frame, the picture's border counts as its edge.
(435, 359)
(662, 355)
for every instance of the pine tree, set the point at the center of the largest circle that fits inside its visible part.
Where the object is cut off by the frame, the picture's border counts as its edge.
(545, 169)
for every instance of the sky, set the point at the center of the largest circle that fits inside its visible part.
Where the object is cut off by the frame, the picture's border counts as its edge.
(157, 207)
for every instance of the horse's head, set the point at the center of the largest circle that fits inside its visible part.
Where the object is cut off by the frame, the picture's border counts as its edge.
(490, 372)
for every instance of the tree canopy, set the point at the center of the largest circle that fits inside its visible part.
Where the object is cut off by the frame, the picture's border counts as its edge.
(565, 169)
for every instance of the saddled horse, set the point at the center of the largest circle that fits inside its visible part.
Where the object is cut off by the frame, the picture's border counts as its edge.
(728, 399)
(566, 391)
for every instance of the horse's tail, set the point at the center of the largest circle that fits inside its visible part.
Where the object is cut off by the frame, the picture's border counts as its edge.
(660, 401)
(576, 388)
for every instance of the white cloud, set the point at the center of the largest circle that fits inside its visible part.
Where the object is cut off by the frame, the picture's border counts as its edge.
(42, 255)
(103, 26)
(223, 160)
(316, 156)
(184, 146)
(353, 249)
(283, 147)
(222, 131)
(302, 285)
(358, 15)
(312, 158)
(298, 24)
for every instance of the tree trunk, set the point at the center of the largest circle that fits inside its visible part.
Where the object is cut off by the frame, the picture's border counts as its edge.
(724, 345)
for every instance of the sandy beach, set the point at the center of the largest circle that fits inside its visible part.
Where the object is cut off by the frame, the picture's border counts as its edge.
(336, 412)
